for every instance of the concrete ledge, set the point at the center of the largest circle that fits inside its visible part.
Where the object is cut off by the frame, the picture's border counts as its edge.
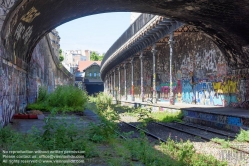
(224, 118)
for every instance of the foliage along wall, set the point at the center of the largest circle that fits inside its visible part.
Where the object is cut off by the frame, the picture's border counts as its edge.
(19, 81)
(201, 74)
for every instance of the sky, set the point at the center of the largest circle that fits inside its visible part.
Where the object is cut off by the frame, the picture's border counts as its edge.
(96, 32)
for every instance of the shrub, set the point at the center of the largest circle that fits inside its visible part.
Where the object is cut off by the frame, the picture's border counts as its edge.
(68, 97)
(42, 94)
(64, 98)
(243, 136)
(102, 102)
(58, 134)
(106, 129)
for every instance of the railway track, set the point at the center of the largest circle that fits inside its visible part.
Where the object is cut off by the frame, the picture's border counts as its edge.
(186, 128)
(144, 131)
(229, 135)
(188, 131)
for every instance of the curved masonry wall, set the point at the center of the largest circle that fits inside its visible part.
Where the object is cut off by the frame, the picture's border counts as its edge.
(200, 74)
(19, 82)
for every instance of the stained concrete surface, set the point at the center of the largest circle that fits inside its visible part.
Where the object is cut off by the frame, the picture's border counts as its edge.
(81, 120)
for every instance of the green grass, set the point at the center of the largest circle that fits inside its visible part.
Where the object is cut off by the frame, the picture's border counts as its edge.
(59, 135)
(224, 143)
(185, 153)
(145, 114)
(127, 151)
(63, 99)
(243, 136)
(166, 116)
(100, 142)
(125, 109)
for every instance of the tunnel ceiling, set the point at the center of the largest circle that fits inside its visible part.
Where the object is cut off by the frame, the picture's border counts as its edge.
(224, 21)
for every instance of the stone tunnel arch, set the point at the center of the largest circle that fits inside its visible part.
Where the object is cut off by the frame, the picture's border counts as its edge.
(224, 21)
(27, 21)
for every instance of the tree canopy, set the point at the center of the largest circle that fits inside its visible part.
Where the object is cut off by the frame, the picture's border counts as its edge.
(95, 57)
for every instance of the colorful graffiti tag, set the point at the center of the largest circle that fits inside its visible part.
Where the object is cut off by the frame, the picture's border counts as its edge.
(226, 122)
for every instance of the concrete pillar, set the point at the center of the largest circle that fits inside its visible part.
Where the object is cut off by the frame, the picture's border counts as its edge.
(142, 77)
(110, 75)
(114, 83)
(154, 51)
(119, 92)
(107, 80)
(125, 85)
(105, 84)
(108, 84)
(171, 42)
(132, 80)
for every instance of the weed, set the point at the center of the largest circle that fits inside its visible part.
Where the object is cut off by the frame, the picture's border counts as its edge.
(58, 135)
(185, 153)
(43, 94)
(64, 99)
(105, 131)
(243, 136)
(146, 114)
(103, 101)
(141, 150)
(224, 143)
(102, 132)
(143, 113)
(166, 116)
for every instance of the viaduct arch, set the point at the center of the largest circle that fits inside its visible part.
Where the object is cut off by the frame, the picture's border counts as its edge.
(224, 21)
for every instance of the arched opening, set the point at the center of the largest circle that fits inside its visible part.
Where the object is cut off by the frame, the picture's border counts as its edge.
(225, 22)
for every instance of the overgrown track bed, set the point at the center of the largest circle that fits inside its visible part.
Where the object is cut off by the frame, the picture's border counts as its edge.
(212, 130)
(215, 131)
(192, 130)
(196, 132)
(127, 127)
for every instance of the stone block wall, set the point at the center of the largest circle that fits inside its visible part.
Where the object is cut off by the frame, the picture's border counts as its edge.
(20, 81)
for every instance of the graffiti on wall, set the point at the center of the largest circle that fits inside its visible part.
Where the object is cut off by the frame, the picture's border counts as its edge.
(5, 6)
(30, 15)
(13, 94)
(200, 74)
(216, 120)
(23, 32)
(19, 87)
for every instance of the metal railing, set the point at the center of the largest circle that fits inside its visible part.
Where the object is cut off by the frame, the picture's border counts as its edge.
(140, 22)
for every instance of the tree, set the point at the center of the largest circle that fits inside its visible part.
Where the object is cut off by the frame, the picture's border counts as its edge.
(60, 51)
(101, 57)
(95, 57)
(61, 58)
